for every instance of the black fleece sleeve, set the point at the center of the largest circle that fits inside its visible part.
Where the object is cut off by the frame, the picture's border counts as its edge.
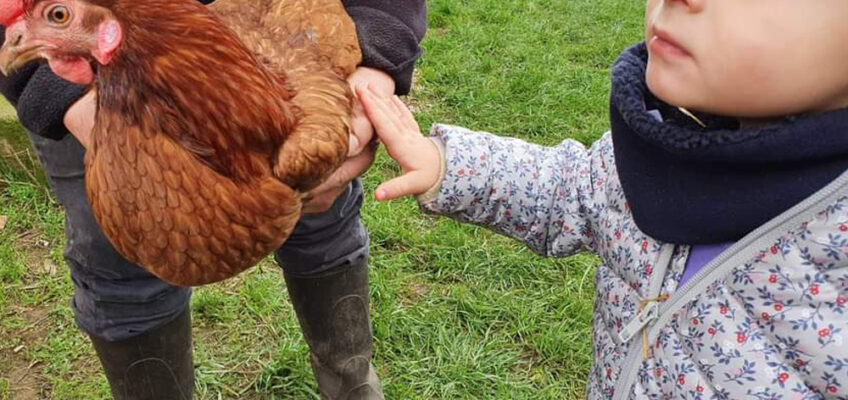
(40, 96)
(389, 34)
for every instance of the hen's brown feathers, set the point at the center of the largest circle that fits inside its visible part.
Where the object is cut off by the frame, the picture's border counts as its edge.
(187, 224)
(206, 136)
(266, 24)
(319, 48)
(195, 82)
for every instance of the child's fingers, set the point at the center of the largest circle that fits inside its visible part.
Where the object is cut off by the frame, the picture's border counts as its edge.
(406, 117)
(404, 185)
(381, 115)
(397, 105)
(393, 104)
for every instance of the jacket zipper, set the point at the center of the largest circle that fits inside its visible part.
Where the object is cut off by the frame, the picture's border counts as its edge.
(641, 321)
(737, 254)
(747, 248)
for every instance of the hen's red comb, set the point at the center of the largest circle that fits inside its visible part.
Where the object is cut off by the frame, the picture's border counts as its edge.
(11, 10)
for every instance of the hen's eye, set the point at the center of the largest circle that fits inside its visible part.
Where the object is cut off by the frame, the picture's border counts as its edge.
(58, 14)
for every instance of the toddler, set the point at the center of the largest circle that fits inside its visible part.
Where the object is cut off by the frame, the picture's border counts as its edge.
(718, 202)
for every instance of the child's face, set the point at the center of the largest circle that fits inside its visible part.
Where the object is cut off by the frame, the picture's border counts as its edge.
(749, 58)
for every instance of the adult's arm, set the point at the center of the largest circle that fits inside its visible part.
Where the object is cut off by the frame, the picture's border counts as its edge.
(389, 35)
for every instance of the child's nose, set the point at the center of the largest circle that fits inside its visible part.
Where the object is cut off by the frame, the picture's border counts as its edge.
(692, 5)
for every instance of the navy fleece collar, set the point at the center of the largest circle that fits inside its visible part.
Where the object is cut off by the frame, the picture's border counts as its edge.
(690, 185)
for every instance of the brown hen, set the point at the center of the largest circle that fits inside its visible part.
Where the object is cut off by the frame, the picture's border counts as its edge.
(209, 128)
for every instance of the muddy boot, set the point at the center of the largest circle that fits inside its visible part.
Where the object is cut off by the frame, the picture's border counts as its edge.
(156, 365)
(333, 312)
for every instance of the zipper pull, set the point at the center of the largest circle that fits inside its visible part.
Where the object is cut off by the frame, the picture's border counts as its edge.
(648, 313)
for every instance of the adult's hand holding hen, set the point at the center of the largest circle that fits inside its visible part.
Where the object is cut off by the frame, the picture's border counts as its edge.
(362, 148)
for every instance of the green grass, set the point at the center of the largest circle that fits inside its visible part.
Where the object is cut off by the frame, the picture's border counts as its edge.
(458, 312)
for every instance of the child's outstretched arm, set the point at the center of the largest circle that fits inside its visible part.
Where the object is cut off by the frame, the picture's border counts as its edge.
(543, 196)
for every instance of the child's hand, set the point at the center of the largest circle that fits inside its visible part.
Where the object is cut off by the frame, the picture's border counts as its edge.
(418, 157)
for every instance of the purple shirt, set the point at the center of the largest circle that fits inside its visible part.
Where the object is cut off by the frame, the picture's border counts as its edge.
(699, 256)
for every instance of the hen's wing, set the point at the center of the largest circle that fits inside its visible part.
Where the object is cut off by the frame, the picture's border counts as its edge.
(179, 220)
(312, 47)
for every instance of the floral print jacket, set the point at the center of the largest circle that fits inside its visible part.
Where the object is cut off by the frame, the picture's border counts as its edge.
(767, 319)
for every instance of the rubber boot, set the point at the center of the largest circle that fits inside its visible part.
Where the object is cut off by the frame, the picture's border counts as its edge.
(333, 312)
(156, 365)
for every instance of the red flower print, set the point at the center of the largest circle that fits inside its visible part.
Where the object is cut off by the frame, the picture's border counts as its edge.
(644, 245)
(695, 321)
(711, 331)
(783, 377)
(740, 337)
(774, 249)
(831, 389)
(824, 332)
(799, 362)
(658, 372)
(722, 310)
(765, 315)
(841, 300)
(699, 389)
(814, 290)
(681, 379)
(778, 307)
(773, 278)
(843, 228)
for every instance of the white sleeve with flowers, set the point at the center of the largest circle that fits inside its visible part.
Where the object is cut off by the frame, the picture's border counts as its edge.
(542, 196)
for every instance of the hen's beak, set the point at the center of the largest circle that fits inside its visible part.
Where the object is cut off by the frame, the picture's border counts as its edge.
(17, 50)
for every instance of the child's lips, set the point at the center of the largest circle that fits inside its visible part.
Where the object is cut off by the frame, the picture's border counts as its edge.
(663, 45)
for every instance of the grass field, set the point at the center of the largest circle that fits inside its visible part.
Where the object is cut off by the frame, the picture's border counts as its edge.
(458, 313)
